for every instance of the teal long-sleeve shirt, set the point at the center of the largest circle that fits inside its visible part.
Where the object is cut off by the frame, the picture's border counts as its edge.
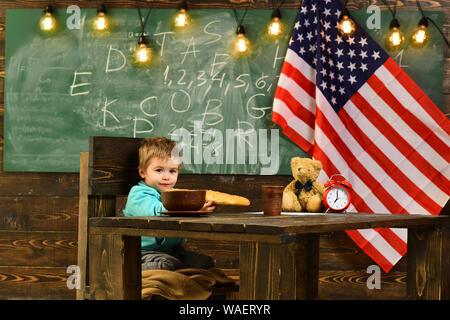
(146, 201)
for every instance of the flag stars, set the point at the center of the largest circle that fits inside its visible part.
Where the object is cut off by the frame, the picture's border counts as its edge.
(340, 52)
(333, 100)
(341, 90)
(300, 37)
(323, 85)
(352, 66)
(351, 40)
(340, 65)
(352, 79)
(363, 67)
(351, 53)
(376, 55)
(363, 54)
(341, 78)
(363, 42)
(326, 25)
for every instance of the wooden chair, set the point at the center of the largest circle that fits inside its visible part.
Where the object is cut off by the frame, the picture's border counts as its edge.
(109, 170)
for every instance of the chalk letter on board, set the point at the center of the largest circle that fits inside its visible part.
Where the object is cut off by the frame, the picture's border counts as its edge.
(191, 42)
(141, 131)
(105, 111)
(263, 113)
(274, 163)
(218, 63)
(213, 153)
(215, 114)
(74, 85)
(185, 145)
(163, 40)
(172, 101)
(141, 106)
(276, 57)
(73, 22)
(109, 59)
(218, 36)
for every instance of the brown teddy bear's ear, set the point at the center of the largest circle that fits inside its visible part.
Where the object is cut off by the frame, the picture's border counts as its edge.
(317, 164)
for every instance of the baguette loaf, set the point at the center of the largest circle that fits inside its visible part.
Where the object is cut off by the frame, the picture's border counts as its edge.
(222, 198)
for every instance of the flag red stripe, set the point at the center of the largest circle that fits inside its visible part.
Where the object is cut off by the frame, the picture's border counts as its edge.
(415, 124)
(417, 93)
(368, 248)
(292, 134)
(400, 143)
(394, 240)
(329, 168)
(375, 186)
(398, 244)
(290, 71)
(387, 165)
(299, 110)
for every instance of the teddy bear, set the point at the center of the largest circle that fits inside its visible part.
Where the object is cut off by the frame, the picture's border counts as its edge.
(304, 193)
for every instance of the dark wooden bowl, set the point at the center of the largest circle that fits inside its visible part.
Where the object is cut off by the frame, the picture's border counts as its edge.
(183, 200)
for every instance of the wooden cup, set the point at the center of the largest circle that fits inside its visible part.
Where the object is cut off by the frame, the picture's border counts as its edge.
(271, 199)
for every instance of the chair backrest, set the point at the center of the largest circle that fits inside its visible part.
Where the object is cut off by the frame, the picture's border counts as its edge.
(109, 170)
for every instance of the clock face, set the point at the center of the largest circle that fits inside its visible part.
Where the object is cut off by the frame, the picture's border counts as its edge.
(338, 198)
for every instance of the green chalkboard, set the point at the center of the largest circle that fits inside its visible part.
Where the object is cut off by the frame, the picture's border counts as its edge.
(63, 88)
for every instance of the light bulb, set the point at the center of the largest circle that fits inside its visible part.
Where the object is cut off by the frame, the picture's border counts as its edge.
(143, 54)
(346, 26)
(181, 19)
(420, 36)
(100, 22)
(395, 37)
(275, 27)
(241, 43)
(48, 23)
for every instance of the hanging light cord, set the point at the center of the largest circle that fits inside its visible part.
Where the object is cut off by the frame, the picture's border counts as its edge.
(434, 23)
(239, 23)
(393, 12)
(143, 23)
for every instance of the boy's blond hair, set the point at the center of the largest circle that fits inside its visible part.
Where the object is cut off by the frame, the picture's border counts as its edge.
(156, 147)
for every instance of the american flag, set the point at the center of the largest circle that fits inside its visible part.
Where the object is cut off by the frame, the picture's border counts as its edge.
(349, 105)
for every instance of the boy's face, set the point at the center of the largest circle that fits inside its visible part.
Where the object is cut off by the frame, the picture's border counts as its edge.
(161, 174)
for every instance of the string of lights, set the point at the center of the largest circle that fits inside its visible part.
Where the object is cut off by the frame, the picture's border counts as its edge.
(395, 39)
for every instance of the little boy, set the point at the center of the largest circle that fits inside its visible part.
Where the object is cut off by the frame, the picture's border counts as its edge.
(159, 165)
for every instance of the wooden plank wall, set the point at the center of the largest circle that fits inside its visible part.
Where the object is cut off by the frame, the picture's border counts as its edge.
(38, 211)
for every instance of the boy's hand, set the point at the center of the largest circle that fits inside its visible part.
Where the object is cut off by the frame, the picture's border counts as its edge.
(209, 206)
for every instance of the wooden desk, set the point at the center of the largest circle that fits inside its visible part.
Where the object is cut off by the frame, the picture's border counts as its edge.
(278, 256)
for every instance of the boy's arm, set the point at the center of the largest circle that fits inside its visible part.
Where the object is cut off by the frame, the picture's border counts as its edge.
(143, 205)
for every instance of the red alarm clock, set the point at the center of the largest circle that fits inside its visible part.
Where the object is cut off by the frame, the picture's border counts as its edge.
(337, 195)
